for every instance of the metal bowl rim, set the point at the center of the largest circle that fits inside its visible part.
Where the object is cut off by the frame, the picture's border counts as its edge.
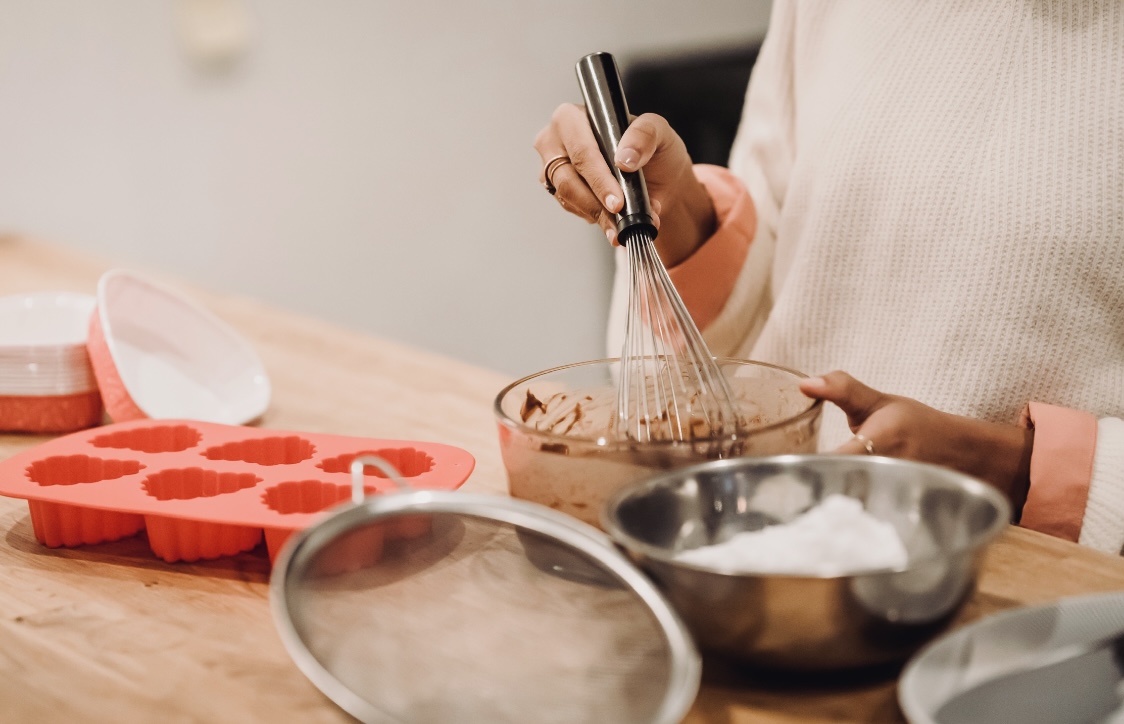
(949, 479)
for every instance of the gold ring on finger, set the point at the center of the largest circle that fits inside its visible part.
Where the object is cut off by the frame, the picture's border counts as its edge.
(548, 172)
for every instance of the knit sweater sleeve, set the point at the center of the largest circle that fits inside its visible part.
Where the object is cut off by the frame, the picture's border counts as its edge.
(705, 279)
(1076, 477)
(1102, 526)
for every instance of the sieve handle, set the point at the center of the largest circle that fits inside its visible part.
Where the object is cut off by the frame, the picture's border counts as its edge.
(358, 493)
(608, 115)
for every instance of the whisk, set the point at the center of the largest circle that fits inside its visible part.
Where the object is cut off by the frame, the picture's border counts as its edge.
(670, 387)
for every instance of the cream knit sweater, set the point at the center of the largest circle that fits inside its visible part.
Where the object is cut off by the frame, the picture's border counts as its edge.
(940, 198)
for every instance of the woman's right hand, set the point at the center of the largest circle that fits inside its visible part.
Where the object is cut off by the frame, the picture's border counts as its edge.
(587, 188)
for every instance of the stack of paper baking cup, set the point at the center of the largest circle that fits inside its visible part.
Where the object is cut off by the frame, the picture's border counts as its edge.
(46, 381)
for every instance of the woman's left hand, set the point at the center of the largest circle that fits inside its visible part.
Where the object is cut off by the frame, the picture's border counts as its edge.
(904, 428)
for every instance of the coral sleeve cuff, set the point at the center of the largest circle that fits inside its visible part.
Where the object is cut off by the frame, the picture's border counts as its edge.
(1061, 467)
(705, 279)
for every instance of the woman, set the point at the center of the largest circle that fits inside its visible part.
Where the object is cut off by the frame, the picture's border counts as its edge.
(931, 197)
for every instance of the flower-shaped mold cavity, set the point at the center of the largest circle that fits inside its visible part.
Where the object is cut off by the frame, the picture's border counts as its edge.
(60, 524)
(300, 496)
(313, 496)
(191, 540)
(287, 450)
(189, 483)
(159, 439)
(304, 496)
(409, 462)
(75, 469)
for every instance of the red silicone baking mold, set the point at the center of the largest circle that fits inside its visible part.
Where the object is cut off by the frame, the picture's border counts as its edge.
(204, 490)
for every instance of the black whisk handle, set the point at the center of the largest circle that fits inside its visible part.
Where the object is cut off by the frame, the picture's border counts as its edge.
(608, 115)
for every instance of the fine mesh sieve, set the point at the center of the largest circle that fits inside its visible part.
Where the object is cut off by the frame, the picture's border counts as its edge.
(438, 606)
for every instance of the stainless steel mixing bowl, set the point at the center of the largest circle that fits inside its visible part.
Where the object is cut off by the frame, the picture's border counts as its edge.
(803, 622)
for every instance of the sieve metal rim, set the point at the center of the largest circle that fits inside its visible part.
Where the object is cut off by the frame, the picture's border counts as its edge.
(686, 662)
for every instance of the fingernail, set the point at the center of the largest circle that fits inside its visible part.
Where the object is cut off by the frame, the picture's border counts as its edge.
(611, 235)
(612, 203)
(627, 158)
(657, 207)
(814, 382)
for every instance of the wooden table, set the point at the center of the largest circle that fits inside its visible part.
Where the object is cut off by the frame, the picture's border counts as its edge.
(110, 633)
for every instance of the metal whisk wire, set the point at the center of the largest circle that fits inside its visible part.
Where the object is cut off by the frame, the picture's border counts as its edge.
(670, 386)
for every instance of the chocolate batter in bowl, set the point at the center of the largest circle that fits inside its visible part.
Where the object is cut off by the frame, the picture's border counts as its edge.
(559, 448)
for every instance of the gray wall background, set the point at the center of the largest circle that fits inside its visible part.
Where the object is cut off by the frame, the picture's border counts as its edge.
(368, 163)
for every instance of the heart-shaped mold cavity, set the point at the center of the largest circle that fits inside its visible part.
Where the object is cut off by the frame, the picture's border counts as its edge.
(159, 439)
(305, 496)
(409, 462)
(75, 469)
(264, 451)
(189, 483)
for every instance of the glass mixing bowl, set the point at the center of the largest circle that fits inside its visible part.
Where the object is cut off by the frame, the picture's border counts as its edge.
(554, 429)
